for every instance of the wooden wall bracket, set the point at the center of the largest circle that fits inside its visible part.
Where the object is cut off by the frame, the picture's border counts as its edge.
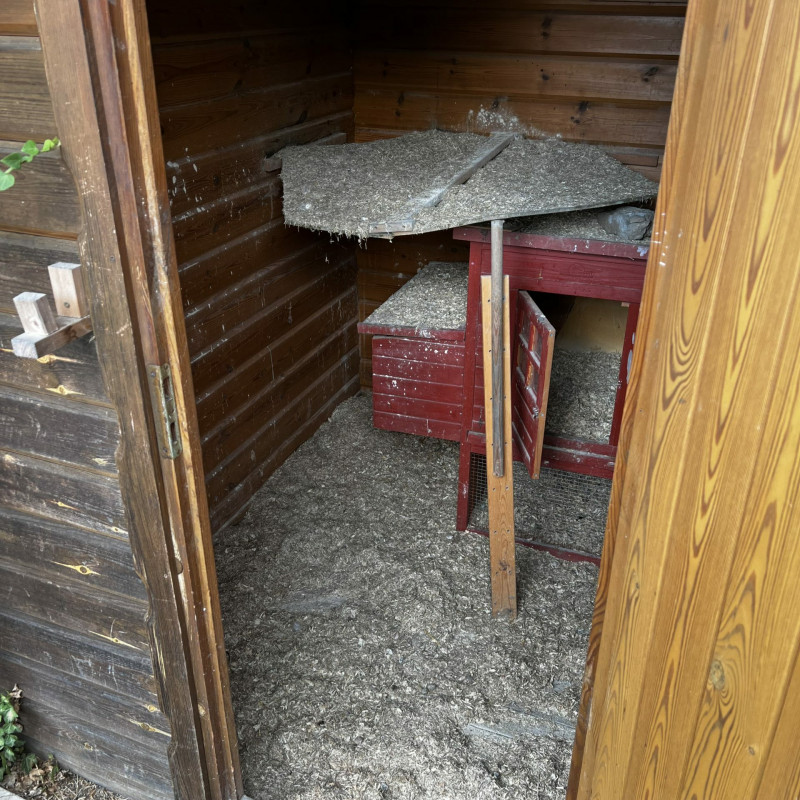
(46, 332)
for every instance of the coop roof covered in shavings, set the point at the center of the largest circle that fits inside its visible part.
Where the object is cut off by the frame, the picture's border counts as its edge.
(435, 299)
(573, 225)
(348, 189)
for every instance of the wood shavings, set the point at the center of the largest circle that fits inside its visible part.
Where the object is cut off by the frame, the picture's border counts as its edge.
(346, 189)
(435, 299)
(372, 697)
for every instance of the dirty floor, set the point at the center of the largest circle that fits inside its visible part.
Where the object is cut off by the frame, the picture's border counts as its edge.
(364, 660)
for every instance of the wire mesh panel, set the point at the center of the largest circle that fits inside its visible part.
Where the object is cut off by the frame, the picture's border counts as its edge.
(561, 509)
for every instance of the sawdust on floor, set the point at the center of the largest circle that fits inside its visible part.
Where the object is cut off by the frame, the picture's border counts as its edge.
(364, 660)
(345, 189)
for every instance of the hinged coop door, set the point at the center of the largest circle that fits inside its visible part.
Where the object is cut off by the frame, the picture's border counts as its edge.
(531, 380)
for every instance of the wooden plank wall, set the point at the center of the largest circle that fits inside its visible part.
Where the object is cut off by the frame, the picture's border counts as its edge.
(585, 70)
(72, 620)
(270, 311)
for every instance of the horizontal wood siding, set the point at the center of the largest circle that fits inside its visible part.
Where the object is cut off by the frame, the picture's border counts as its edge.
(585, 70)
(270, 311)
(72, 626)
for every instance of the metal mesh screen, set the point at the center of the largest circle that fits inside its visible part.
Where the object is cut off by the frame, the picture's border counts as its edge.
(561, 509)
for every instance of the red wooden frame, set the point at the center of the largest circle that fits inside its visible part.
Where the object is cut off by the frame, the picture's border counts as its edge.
(579, 267)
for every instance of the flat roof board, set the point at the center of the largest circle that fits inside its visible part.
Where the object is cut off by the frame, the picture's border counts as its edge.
(349, 189)
(434, 300)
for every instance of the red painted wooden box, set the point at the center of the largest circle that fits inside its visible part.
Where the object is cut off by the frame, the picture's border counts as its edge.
(418, 354)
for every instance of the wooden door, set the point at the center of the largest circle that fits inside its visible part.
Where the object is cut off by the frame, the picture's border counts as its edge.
(99, 71)
(692, 687)
(533, 358)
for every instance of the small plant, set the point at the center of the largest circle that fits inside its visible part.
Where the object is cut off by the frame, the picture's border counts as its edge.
(12, 748)
(13, 161)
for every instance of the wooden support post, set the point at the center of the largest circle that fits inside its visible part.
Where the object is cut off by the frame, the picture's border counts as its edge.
(45, 333)
(35, 314)
(500, 488)
(497, 349)
(68, 292)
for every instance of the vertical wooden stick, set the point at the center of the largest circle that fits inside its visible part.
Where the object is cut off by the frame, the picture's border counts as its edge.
(35, 314)
(68, 291)
(500, 488)
(497, 348)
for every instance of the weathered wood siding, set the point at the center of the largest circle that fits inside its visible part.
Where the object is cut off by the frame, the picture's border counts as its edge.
(270, 311)
(72, 618)
(585, 70)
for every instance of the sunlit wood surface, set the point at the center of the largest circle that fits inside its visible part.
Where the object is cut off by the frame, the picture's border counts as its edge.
(697, 676)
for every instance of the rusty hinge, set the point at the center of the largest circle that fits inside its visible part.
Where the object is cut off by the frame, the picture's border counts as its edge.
(164, 411)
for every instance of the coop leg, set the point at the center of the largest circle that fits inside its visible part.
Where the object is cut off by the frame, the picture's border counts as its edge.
(500, 488)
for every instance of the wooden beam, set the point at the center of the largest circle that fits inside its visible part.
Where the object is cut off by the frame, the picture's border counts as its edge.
(500, 489)
(499, 390)
(493, 146)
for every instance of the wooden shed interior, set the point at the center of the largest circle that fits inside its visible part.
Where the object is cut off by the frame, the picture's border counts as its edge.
(270, 311)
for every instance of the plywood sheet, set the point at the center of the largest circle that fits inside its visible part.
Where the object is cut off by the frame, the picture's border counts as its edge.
(348, 189)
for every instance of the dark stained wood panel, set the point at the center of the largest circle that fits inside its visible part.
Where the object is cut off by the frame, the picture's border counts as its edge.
(193, 180)
(25, 108)
(110, 666)
(59, 552)
(200, 127)
(440, 26)
(201, 70)
(72, 373)
(17, 18)
(255, 376)
(296, 427)
(24, 259)
(215, 223)
(516, 76)
(68, 736)
(104, 708)
(261, 300)
(256, 252)
(67, 604)
(582, 121)
(74, 497)
(43, 200)
(76, 434)
(307, 359)
(262, 310)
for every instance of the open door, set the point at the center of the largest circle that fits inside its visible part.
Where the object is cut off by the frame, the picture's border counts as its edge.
(533, 359)
(99, 70)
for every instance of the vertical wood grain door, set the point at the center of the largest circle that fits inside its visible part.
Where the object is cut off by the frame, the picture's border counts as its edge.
(693, 681)
(99, 71)
(530, 381)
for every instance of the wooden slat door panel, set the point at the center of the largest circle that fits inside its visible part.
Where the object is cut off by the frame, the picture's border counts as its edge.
(533, 358)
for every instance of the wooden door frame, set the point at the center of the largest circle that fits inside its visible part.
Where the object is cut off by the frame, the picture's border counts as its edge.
(99, 70)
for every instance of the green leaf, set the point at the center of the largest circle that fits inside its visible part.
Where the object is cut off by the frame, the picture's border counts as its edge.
(30, 148)
(51, 144)
(7, 180)
(10, 755)
(12, 160)
(29, 762)
(10, 715)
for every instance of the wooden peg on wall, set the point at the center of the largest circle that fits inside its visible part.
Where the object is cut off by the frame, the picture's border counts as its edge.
(45, 332)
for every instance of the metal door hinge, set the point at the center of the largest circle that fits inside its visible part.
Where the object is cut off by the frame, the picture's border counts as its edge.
(164, 411)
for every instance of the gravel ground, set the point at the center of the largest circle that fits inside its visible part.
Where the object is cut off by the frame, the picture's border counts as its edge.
(63, 785)
(364, 660)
